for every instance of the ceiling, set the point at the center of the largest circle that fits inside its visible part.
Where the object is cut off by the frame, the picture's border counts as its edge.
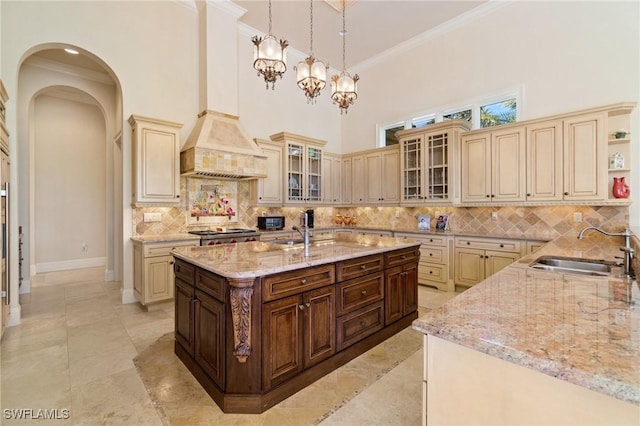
(373, 26)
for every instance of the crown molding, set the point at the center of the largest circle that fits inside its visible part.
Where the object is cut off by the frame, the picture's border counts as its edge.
(483, 10)
(228, 6)
(71, 70)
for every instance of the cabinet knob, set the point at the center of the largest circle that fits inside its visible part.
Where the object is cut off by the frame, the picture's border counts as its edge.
(177, 196)
(566, 193)
(172, 262)
(308, 305)
(301, 307)
(528, 195)
(363, 267)
(430, 272)
(303, 281)
(468, 243)
(430, 240)
(363, 292)
(488, 195)
(430, 254)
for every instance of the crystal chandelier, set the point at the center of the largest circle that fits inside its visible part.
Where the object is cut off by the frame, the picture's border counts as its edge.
(311, 74)
(270, 56)
(344, 88)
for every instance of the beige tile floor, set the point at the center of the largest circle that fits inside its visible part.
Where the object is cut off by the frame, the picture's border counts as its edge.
(79, 349)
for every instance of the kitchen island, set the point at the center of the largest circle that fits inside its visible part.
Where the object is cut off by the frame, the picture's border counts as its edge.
(529, 346)
(256, 322)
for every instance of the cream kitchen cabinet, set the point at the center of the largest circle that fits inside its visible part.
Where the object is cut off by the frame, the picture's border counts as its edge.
(355, 181)
(269, 191)
(493, 166)
(434, 268)
(475, 259)
(428, 162)
(544, 161)
(382, 176)
(302, 168)
(153, 274)
(156, 161)
(331, 178)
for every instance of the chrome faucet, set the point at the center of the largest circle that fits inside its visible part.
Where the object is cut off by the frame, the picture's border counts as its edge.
(629, 252)
(303, 230)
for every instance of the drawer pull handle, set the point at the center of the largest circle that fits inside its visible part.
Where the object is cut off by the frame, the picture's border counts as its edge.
(308, 305)
(430, 272)
(172, 262)
(430, 254)
(363, 267)
(363, 292)
(303, 281)
(301, 307)
(468, 243)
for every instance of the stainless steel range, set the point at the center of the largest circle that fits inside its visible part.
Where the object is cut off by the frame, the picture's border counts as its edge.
(228, 236)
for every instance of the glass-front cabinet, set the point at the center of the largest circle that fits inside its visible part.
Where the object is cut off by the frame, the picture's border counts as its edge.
(427, 162)
(303, 174)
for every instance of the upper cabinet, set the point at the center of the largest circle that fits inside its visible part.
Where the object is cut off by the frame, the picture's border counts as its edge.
(382, 176)
(428, 162)
(302, 168)
(269, 190)
(156, 161)
(331, 178)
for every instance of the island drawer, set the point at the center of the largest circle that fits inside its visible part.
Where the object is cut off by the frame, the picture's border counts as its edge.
(295, 282)
(211, 284)
(353, 268)
(400, 257)
(185, 271)
(358, 292)
(488, 244)
(357, 325)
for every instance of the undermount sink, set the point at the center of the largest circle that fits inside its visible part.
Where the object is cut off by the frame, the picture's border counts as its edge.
(289, 242)
(573, 265)
(300, 243)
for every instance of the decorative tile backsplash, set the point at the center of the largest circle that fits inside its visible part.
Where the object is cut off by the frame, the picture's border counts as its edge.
(545, 222)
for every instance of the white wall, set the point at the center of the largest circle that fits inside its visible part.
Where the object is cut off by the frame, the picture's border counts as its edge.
(70, 184)
(566, 55)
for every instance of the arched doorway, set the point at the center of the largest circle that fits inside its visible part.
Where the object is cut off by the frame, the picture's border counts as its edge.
(69, 113)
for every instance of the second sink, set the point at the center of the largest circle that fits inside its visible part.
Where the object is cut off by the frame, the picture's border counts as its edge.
(573, 265)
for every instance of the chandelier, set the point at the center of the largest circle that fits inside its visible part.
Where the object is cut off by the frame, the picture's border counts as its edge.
(311, 74)
(270, 56)
(344, 88)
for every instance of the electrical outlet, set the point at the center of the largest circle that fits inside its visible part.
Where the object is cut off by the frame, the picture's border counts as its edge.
(494, 216)
(152, 217)
(577, 217)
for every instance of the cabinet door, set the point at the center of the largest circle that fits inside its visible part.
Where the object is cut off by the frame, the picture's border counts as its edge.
(319, 325)
(469, 266)
(184, 315)
(411, 162)
(347, 181)
(476, 168)
(210, 337)
(270, 188)
(393, 295)
(410, 284)
(544, 161)
(159, 279)
(357, 179)
(584, 164)
(295, 172)
(390, 177)
(314, 174)
(281, 340)
(373, 180)
(331, 179)
(508, 165)
(496, 260)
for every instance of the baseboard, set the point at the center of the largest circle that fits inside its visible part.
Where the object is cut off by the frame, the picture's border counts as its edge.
(70, 264)
(109, 275)
(128, 296)
(25, 287)
(14, 316)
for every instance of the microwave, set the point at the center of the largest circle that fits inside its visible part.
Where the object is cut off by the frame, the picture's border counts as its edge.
(271, 222)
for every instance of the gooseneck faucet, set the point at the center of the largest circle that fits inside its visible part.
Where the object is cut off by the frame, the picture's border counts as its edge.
(303, 230)
(628, 251)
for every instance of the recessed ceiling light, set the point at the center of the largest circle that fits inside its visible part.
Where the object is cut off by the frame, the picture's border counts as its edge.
(72, 51)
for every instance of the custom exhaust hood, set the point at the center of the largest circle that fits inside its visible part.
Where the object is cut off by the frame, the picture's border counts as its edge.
(218, 147)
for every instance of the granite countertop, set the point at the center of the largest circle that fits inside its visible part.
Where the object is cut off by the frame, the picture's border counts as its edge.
(255, 259)
(164, 238)
(581, 329)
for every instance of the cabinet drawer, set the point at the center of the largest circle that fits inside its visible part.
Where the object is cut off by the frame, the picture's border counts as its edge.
(431, 272)
(401, 257)
(357, 325)
(489, 244)
(358, 292)
(295, 282)
(165, 249)
(357, 267)
(185, 271)
(433, 254)
(434, 240)
(211, 284)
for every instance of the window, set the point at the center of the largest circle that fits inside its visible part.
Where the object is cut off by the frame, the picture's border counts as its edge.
(498, 113)
(390, 134)
(459, 115)
(423, 121)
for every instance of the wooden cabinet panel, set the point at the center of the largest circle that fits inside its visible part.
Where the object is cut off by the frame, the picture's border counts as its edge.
(159, 278)
(358, 292)
(298, 281)
(508, 165)
(347, 180)
(433, 254)
(319, 325)
(331, 179)
(185, 271)
(403, 256)
(373, 187)
(544, 161)
(358, 176)
(432, 272)
(390, 185)
(352, 268)
(469, 266)
(211, 283)
(401, 292)
(281, 340)
(496, 261)
(184, 315)
(476, 259)
(476, 167)
(269, 190)
(357, 325)
(209, 336)
(489, 244)
(584, 162)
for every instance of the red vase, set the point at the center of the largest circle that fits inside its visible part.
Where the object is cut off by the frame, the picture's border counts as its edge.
(620, 188)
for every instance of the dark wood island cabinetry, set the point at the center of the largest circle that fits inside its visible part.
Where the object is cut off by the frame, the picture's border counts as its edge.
(256, 322)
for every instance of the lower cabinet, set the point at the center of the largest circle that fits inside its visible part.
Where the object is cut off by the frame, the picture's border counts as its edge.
(475, 259)
(401, 293)
(298, 332)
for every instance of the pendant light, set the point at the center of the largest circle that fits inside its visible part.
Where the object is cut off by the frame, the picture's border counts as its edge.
(311, 74)
(270, 56)
(344, 88)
